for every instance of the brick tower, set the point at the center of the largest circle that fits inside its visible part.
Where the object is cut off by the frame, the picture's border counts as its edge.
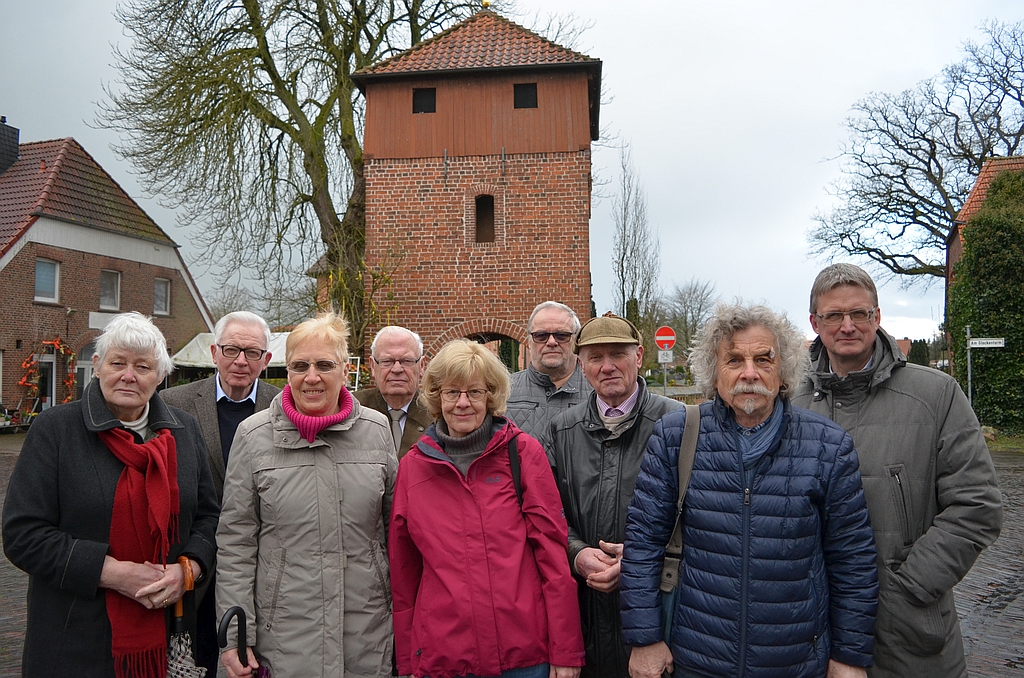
(477, 149)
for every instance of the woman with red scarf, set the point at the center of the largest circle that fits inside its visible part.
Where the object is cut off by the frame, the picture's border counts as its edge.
(303, 529)
(110, 502)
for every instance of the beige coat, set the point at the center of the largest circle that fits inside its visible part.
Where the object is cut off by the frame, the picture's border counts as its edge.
(302, 543)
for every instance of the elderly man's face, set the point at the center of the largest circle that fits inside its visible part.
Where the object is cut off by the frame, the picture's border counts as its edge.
(238, 374)
(552, 356)
(396, 381)
(612, 369)
(748, 374)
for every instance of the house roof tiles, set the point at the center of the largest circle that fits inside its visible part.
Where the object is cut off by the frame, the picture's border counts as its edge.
(989, 171)
(59, 179)
(485, 40)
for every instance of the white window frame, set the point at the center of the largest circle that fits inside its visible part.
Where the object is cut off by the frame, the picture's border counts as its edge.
(167, 298)
(56, 281)
(117, 291)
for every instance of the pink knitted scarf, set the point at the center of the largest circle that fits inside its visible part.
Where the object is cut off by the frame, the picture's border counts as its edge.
(308, 425)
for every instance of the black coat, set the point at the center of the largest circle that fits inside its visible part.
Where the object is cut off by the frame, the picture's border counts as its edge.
(56, 526)
(596, 473)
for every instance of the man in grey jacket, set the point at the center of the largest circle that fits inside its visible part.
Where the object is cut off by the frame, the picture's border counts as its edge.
(553, 381)
(928, 476)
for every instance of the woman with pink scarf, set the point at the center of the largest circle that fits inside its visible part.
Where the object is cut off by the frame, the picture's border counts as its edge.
(304, 521)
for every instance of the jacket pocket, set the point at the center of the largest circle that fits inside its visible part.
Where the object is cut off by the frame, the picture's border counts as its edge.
(899, 490)
(274, 576)
(920, 629)
(380, 570)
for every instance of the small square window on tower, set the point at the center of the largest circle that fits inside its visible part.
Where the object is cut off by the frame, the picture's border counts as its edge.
(424, 100)
(485, 218)
(526, 95)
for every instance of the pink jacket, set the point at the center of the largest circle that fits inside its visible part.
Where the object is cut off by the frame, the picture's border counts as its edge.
(479, 584)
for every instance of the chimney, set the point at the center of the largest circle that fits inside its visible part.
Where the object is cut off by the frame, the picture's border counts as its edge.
(8, 144)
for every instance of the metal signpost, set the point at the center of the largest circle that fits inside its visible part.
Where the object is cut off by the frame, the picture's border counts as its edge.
(664, 339)
(979, 342)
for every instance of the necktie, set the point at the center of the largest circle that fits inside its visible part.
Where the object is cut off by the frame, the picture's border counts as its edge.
(396, 426)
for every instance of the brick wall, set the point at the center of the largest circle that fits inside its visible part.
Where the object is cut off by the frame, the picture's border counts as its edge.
(31, 322)
(420, 217)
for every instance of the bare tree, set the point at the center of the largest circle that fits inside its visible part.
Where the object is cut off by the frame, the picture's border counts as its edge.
(687, 307)
(913, 157)
(244, 113)
(635, 251)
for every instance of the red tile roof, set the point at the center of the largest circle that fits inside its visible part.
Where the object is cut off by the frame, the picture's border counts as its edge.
(484, 41)
(989, 171)
(59, 179)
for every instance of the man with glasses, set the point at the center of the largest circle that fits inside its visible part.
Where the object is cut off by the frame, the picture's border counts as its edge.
(553, 381)
(396, 362)
(928, 476)
(220, 403)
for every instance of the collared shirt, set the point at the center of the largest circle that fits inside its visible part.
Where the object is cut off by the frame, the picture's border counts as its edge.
(625, 407)
(251, 396)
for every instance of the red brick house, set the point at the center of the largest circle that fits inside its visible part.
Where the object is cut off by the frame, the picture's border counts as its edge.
(75, 250)
(478, 178)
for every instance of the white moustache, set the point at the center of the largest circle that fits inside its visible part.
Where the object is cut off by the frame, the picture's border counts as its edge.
(758, 389)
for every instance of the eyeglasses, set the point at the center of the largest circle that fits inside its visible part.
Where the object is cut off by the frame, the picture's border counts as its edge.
(230, 351)
(451, 395)
(388, 363)
(322, 366)
(542, 337)
(857, 315)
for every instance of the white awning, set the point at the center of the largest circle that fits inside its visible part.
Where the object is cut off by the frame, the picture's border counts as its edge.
(196, 353)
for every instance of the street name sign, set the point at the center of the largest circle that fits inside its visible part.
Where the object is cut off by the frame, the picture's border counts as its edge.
(980, 342)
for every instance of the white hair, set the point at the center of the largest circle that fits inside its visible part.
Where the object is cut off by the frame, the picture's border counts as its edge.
(136, 333)
(241, 318)
(396, 331)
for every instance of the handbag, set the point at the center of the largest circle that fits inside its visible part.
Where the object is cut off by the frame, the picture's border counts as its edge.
(672, 566)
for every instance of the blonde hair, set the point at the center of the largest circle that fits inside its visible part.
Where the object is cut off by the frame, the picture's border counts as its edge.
(460, 362)
(330, 328)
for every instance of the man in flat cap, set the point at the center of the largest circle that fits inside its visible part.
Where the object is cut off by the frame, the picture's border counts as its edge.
(595, 451)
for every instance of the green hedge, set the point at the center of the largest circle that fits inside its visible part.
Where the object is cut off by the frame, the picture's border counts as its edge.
(987, 293)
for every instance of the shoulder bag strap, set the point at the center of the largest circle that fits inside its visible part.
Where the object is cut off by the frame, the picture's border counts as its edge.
(513, 461)
(687, 451)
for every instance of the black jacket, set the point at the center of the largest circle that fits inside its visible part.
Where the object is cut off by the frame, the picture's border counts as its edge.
(596, 472)
(56, 525)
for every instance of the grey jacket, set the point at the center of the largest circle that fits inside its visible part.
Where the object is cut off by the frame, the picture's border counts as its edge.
(199, 399)
(535, 399)
(931, 491)
(302, 543)
(596, 473)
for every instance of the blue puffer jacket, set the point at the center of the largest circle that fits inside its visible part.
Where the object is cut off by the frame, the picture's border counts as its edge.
(779, 576)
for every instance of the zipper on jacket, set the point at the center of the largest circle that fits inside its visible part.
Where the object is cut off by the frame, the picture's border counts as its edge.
(901, 492)
(277, 589)
(748, 480)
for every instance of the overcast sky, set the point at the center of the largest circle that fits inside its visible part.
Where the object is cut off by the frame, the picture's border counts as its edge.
(733, 110)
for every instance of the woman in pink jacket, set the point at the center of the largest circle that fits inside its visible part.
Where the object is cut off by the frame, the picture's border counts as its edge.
(479, 573)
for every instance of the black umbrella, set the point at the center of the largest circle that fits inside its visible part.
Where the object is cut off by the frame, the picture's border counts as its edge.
(237, 612)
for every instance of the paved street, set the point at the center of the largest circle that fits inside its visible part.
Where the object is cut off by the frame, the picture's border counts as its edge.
(989, 600)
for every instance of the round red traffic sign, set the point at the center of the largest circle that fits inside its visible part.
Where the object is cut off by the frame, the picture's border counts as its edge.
(665, 337)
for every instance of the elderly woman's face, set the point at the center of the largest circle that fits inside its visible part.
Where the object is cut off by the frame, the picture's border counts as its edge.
(127, 380)
(316, 376)
(464, 406)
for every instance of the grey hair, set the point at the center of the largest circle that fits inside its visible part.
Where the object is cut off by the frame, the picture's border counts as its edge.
(396, 331)
(241, 318)
(136, 333)
(727, 320)
(835, 275)
(561, 307)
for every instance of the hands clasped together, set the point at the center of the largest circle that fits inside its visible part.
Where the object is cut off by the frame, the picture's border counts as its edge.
(151, 585)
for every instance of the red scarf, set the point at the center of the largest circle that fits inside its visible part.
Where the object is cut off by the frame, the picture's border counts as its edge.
(143, 525)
